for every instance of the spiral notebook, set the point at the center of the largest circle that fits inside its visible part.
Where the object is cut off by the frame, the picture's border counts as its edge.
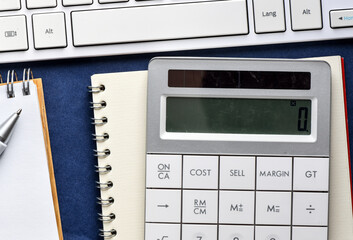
(119, 102)
(28, 204)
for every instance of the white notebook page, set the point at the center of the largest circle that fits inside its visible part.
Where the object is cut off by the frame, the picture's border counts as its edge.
(26, 203)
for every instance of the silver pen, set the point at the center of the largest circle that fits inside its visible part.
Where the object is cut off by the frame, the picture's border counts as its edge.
(6, 130)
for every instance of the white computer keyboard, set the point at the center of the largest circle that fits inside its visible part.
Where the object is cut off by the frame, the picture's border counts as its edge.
(33, 30)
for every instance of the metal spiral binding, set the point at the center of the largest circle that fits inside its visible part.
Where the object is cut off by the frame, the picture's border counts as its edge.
(25, 83)
(97, 89)
(106, 218)
(99, 121)
(107, 234)
(10, 90)
(105, 202)
(101, 154)
(103, 170)
(100, 138)
(103, 186)
(98, 106)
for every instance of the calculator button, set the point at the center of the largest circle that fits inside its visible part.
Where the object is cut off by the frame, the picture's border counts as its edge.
(272, 233)
(163, 205)
(49, 30)
(236, 207)
(163, 171)
(273, 208)
(237, 173)
(162, 231)
(199, 232)
(269, 16)
(309, 233)
(200, 172)
(310, 209)
(200, 206)
(306, 14)
(274, 173)
(311, 174)
(228, 232)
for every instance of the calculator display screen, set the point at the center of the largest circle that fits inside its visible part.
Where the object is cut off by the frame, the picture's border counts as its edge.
(238, 116)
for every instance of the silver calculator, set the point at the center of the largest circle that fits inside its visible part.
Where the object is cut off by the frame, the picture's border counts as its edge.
(237, 149)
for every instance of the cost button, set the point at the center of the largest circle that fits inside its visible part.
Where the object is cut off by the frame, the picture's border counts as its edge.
(200, 172)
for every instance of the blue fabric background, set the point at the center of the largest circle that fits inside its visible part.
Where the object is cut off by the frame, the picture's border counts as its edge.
(67, 101)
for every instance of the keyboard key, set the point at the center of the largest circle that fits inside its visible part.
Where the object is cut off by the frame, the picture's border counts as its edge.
(200, 172)
(200, 206)
(13, 33)
(309, 233)
(269, 16)
(163, 171)
(236, 207)
(31, 4)
(273, 208)
(341, 18)
(272, 233)
(306, 14)
(6, 5)
(311, 174)
(67, 3)
(163, 205)
(310, 209)
(199, 232)
(237, 172)
(162, 231)
(162, 22)
(274, 173)
(49, 30)
(227, 232)
(112, 1)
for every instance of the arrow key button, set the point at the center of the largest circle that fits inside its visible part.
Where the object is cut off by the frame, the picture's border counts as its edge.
(163, 206)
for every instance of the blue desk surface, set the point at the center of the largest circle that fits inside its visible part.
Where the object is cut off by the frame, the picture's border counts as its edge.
(67, 101)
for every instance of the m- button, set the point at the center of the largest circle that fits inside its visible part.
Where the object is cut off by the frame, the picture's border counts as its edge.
(311, 174)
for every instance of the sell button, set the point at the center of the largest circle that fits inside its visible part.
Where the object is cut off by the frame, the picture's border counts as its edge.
(341, 18)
